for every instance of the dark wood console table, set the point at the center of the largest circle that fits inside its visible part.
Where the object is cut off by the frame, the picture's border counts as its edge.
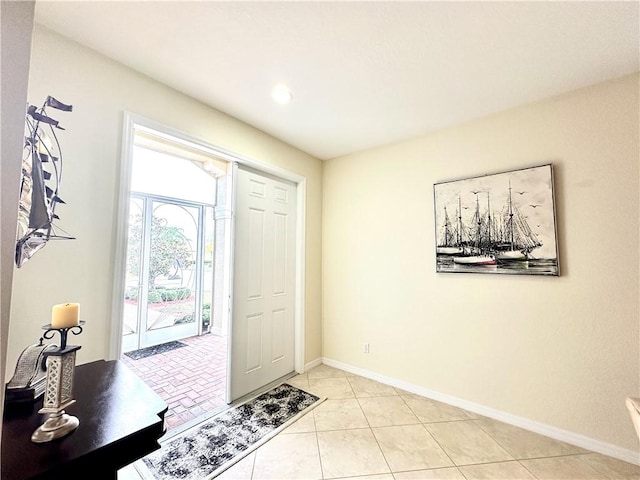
(121, 420)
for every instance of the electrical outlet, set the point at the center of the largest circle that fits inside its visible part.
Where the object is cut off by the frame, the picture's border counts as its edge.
(365, 348)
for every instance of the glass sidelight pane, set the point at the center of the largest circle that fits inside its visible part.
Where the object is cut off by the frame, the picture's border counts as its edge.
(133, 279)
(172, 265)
(208, 269)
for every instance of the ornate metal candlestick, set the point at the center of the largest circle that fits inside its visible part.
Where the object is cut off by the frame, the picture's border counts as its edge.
(61, 364)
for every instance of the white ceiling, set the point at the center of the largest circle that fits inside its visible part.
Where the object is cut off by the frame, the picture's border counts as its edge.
(363, 74)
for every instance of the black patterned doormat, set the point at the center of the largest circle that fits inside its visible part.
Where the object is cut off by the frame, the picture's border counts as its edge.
(156, 349)
(211, 447)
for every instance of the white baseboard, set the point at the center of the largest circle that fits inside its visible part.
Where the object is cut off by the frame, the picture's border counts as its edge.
(566, 436)
(312, 364)
(217, 331)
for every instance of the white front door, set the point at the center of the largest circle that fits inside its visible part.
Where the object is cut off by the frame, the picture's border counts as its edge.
(262, 331)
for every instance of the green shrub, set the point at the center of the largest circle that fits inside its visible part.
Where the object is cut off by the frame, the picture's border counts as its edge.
(154, 297)
(183, 293)
(188, 318)
(169, 295)
(131, 293)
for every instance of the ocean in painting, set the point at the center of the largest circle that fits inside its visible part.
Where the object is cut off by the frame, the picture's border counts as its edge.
(445, 263)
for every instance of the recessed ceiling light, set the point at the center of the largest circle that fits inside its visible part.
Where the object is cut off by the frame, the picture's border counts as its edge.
(281, 94)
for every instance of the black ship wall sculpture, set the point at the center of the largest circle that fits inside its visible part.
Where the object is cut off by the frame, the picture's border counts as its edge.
(40, 182)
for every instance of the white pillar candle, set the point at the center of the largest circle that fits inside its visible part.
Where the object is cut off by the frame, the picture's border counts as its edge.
(65, 315)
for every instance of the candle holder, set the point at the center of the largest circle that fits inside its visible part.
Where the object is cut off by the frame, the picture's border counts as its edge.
(61, 364)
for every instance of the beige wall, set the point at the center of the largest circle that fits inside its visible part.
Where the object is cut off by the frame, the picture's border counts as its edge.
(17, 28)
(560, 351)
(81, 270)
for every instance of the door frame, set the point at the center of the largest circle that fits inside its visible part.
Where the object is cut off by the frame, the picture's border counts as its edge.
(131, 121)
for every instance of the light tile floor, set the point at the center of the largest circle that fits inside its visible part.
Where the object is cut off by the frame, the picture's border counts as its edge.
(366, 430)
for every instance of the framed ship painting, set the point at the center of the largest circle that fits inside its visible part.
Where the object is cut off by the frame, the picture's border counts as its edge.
(502, 223)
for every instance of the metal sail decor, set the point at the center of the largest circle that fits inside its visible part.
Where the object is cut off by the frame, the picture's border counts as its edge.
(502, 223)
(40, 183)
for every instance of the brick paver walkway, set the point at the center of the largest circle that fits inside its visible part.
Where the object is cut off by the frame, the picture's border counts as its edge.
(192, 379)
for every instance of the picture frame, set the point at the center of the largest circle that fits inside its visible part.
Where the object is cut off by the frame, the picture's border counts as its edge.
(502, 223)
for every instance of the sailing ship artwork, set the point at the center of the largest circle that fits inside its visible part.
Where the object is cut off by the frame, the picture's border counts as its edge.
(40, 181)
(502, 223)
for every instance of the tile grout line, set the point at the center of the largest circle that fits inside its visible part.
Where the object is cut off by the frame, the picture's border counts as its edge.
(315, 432)
(253, 464)
(525, 467)
(442, 448)
(455, 465)
(344, 429)
(364, 428)
(318, 446)
(479, 425)
(519, 460)
(372, 432)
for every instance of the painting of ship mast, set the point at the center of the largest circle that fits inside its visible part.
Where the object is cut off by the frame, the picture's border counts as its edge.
(502, 223)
